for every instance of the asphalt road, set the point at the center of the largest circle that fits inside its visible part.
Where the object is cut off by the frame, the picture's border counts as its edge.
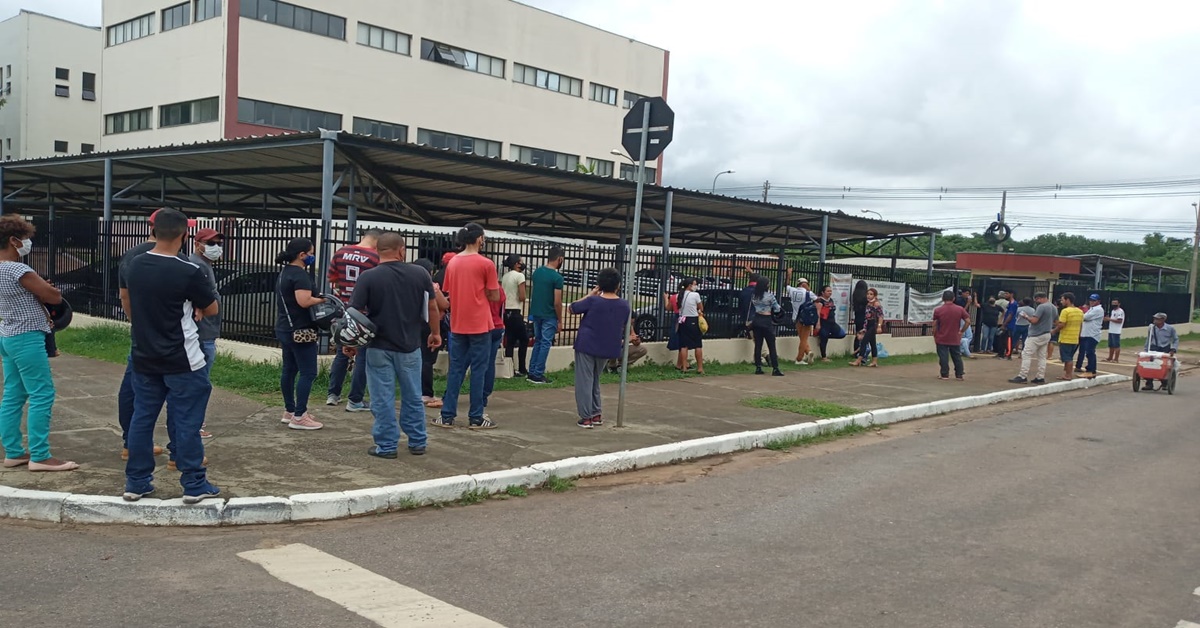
(1073, 511)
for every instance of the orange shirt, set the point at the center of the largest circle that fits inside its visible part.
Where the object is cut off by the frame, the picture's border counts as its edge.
(468, 277)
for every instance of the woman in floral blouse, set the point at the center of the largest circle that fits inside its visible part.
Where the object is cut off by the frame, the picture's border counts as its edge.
(873, 325)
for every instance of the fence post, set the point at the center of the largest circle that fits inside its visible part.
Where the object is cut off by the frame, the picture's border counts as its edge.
(1, 190)
(106, 254)
(929, 263)
(328, 138)
(821, 279)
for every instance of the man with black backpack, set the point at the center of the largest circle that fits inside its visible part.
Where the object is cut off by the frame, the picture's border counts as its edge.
(805, 315)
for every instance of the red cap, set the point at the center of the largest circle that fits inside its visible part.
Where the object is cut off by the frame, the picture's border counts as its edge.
(152, 216)
(206, 234)
(447, 257)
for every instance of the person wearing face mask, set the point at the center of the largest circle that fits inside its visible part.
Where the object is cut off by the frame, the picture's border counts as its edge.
(516, 335)
(23, 329)
(297, 333)
(208, 249)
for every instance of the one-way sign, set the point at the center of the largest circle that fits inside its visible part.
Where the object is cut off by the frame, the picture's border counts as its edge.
(662, 128)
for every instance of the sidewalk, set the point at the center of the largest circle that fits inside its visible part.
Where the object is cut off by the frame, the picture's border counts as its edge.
(252, 454)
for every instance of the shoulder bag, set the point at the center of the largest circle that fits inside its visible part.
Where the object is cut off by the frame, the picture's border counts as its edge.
(299, 336)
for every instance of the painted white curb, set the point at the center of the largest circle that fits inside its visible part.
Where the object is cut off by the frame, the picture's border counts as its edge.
(64, 507)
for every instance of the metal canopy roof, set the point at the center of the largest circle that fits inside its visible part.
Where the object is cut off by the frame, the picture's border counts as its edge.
(1087, 265)
(281, 177)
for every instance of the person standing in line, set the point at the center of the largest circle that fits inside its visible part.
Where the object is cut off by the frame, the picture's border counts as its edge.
(1021, 331)
(1009, 324)
(472, 283)
(163, 295)
(801, 298)
(764, 306)
(1001, 343)
(691, 308)
(24, 327)
(1037, 344)
(400, 300)
(545, 305)
(348, 263)
(989, 317)
(1116, 323)
(828, 326)
(516, 335)
(599, 340)
(497, 310)
(429, 352)
(209, 245)
(1089, 337)
(296, 333)
(1163, 338)
(950, 321)
(967, 303)
(1070, 324)
(872, 327)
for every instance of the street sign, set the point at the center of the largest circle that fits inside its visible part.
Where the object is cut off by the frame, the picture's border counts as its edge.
(662, 128)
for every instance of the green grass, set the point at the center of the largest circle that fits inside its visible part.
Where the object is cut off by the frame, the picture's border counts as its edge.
(800, 405)
(556, 484)
(791, 442)
(473, 496)
(408, 503)
(513, 490)
(1141, 342)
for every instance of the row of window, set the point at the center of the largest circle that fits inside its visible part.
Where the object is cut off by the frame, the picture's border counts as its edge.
(171, 18)
(292, 16)
(61, 146)
(176, 114)
(64, 91)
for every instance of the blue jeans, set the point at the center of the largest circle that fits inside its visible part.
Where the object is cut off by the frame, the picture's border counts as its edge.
(26, 378)
(186, 396)
(125, 401)
(543, 336)
(986, 336)
(383, 369)
(298, 359)
(209, 349)
(964, 347)
(1087, 351)
(1020, 333)
(358, 378)
(467, 351)
(490, 380)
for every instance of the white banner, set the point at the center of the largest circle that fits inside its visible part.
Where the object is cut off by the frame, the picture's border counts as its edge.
(892, 295)
(842, 284)
(922, 304)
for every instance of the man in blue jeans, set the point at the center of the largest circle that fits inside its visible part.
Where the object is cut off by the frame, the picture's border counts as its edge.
(347, 265)
(398, 297)
(545, 304)
(162, 297)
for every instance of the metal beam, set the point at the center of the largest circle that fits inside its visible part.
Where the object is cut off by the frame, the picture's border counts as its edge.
(329, 139)
(107, 253)
(355, 157)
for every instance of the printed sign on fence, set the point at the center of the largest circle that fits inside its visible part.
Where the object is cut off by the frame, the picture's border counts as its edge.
(842, 284)
(892, 295)
(922, 304)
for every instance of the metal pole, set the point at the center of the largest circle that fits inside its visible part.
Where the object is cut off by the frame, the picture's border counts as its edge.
(929, 262)
(51, 245)
(1195, 258)
(665, 271)
(1, 191)
(1098, 273)
(1158, 286)
(1003, 202)
(632, 267)
(824, 245)
(326, 200)
(352, 210)
(106, 255)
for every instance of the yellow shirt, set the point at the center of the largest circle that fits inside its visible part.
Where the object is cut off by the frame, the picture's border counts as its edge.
(1072, 320)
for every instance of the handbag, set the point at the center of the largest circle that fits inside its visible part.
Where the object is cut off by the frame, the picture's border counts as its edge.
(703, 324)
(299, 336)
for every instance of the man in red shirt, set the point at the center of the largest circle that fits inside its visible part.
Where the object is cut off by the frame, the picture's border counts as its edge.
(472, 283)
(949, 321)
(348, 263)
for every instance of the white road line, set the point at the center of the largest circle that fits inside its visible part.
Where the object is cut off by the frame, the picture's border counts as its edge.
(1186, 624)
(358, 590)
(1197, 591)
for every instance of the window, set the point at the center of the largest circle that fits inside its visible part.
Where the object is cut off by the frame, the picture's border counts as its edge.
(384, 39)
(130, 30)
(600, 167)
(60, 146)
(631, 99)
(547, 158)
(465, 59)
(87, 148)
(176, 16)
(292, 16)
(458, 143)
(192, 112)
(629, 173)
(62, 91)
(7, 87)
(127, 121)
(89, 86)
(383, 130)
(206, 9)
(606, 95)
(62, 74)
(547, 80)
(286, 117)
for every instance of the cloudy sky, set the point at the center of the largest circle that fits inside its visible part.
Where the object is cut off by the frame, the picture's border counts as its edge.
(921, 94)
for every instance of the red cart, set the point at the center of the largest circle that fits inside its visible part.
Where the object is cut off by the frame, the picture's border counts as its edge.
(1156, 366)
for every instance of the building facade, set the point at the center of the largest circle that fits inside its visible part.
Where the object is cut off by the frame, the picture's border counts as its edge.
(491, 77)
(49, 81)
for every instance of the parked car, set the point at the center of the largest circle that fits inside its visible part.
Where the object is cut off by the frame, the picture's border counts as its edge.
(722, 310)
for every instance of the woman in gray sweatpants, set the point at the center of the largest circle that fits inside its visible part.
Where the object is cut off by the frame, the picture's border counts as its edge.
(600, 339)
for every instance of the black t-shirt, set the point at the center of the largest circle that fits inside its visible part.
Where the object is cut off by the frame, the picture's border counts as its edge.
(395, 296)
(127, 258)
(163, 291)
(990, 314)
(291, 279)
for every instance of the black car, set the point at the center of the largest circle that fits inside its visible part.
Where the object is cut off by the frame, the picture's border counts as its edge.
(722, 310)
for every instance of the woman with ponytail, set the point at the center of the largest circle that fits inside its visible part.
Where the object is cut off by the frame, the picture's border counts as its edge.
(296, 333)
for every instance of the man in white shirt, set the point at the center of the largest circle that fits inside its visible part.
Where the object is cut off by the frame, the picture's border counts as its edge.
(1089, 337)
(802, 298)
(1116, 322)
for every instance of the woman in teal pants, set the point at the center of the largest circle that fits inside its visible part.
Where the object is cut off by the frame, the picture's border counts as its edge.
(24, 325)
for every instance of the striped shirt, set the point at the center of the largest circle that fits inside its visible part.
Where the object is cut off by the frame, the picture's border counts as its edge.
(348, 263)
(20, 311)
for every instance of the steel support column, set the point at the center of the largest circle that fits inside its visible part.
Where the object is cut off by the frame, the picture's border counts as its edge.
(929, 263)
(51, 244)
(1159, 287)
(352, 210)
(1, 190)
(329, 138)
(664, 270)
(106, 255)
(824, 245)
(1098, 273)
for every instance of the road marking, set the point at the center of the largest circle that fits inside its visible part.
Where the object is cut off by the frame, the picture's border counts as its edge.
(360, 591)
(1197, 591)
(1186, 624)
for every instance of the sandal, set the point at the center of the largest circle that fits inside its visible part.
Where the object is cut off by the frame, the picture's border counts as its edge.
(53, 464)
(433, 403)
(12, 463)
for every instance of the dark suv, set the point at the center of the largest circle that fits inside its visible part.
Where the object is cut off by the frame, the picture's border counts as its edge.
(722, 310)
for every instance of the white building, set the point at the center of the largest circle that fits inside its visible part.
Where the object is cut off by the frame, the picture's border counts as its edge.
(49, 80)
(491, 77)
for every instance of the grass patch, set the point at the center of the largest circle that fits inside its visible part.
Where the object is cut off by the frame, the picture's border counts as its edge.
(408, 503)
(512, 490)
(473, 496)
(1141, 342)
(799, 405)
(791, 442)
(556, 484)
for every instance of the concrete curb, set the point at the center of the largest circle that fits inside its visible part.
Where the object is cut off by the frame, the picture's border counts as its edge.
(54, 507)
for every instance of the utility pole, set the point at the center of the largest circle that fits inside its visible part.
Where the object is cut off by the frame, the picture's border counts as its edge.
(1195, 257)
(1003, 202)
(766, 188)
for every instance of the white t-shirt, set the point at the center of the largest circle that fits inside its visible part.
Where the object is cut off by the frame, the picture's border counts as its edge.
(798, 295)
(1001, 303)
(689, 304)
(510, 282)
(1118, 321)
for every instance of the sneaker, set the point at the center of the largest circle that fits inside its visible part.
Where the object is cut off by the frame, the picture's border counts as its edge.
(333, 400)
(1038, 380)
(584, 423)
(758, 371)
(205, 433)
(417, 451)
(810, 358)
(1020, 380)
(287, 418)
(305, 422)
(352, 406)
(597, 420)
(532, 379)
(777, 373)
(133, 496)
(486, 423)
(196, 499)
(374, 451)
(800, 362)
(440, 422)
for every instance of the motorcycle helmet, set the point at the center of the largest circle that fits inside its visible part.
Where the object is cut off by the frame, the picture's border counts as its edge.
(60, 315)
(326, 312)
(353, 329)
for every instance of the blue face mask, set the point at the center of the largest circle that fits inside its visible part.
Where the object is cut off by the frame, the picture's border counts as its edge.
(309, 260)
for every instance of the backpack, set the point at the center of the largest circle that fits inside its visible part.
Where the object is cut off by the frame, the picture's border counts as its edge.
(807, 314)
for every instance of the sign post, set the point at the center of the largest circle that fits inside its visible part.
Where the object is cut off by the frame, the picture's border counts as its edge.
(647, 129)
